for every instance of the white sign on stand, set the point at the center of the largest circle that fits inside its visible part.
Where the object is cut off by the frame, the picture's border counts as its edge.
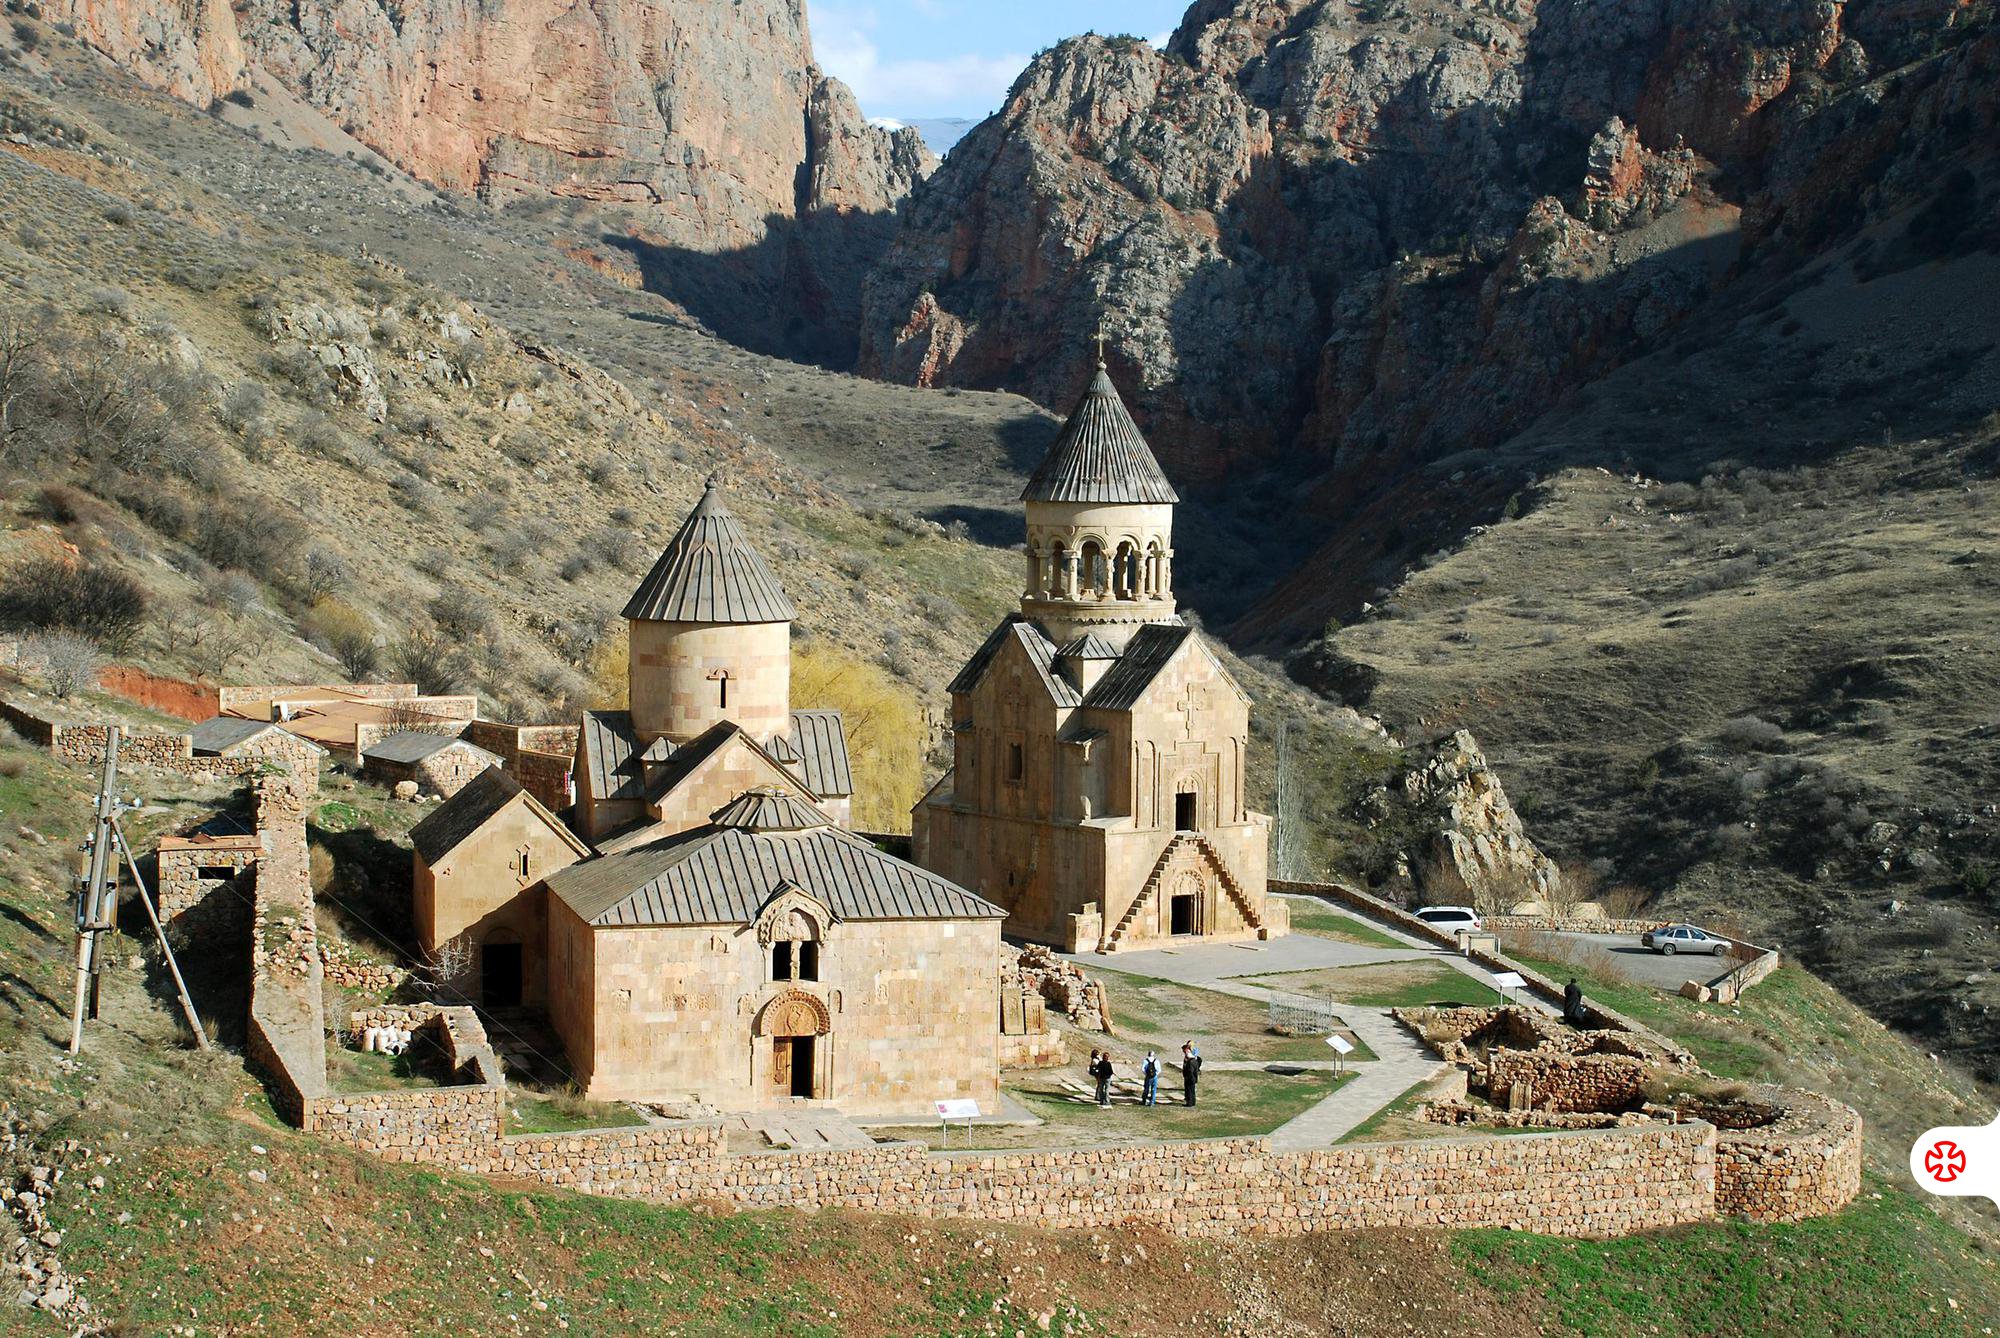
(1342, 1047)
(957, 1108)
(1508, 980)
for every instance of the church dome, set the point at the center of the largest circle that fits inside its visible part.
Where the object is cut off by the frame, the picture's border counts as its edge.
(766, 809)
(709, 573)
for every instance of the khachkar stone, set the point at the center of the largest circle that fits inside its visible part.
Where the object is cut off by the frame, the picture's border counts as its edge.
(1096, 787)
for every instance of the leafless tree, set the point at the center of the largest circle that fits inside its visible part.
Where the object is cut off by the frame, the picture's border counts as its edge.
(69, 662)
(20, 342)
(447, 970)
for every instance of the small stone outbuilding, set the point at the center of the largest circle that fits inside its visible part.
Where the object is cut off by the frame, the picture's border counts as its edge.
(231, 736)
(479, 862)
(440, 764)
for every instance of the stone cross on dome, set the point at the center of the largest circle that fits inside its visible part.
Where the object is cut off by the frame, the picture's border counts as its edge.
(1100, 341)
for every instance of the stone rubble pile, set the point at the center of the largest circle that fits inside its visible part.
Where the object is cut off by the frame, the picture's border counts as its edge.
(40, 1283)
(1063, 985)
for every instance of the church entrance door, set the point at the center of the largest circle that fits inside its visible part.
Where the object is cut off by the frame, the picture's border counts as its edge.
(1185, 819)
(1183, 912)
(792, 1066)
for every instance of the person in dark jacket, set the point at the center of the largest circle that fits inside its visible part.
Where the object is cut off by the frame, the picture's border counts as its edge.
(1100, 1069)
(1190, 1070)
(1573, 1003)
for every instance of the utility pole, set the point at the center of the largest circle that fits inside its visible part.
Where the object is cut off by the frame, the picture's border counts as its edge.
(94, 907)
(90, 917)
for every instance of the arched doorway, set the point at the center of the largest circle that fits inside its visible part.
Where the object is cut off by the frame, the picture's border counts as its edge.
(796, 1025)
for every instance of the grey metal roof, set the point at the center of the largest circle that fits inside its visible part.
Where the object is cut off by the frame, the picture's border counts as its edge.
(709, 573)
(610, 756)
(767, 810)
(1089, 646)
(1099, 456)
(1145, 655)
(819, 743)
(725, 875)
(1041, 655)
(225, 731)
(409, 745)
(467, 811)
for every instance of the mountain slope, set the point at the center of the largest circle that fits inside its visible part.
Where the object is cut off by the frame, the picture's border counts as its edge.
(1336, 244)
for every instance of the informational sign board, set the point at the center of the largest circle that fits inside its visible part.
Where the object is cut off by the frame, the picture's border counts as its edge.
(961, 1109)
(1509, 980)
(1341, 1044)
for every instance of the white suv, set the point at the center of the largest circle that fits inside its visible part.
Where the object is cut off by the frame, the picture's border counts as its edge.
(1450, 919)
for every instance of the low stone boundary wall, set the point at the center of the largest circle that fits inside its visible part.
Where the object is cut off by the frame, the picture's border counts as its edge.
(1550, 924)
(250, 694)
(83, 743)
(285, 1031)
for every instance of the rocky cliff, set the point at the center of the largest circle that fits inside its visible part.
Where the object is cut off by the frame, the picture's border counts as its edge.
(710, 123)
(1340, 242)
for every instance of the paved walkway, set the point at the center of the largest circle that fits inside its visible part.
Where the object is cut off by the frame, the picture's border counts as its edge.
(1401, 1062)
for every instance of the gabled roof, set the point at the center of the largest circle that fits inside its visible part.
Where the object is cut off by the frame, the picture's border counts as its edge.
(226, 731)
(818, 742)
(1099, 456)
(610, 756)
(769, 810)
(449, 824)
(725, 875)
(1041, 653)
(414, 746)
(1151, 648)
(709, 573)
(1089, 646)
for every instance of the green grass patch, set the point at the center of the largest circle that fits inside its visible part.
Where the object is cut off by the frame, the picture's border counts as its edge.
(1316, 917)
(1888, 1264)
(1410, 984)
(1231, 1104)
(562, 1114)
(1161, 1014)
(367, 1071)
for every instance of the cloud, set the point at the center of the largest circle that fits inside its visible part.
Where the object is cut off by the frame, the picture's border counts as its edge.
(969, 84)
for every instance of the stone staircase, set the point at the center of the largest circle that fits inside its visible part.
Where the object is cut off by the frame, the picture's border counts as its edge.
(1151, 889)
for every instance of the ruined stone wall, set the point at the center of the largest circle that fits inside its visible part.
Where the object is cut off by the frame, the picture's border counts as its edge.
(1806, 1163)
(285, 1031)
(538, 756)
(1565, 1082)
(230, 698)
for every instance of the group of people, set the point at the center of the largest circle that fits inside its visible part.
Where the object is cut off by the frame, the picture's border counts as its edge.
(1149, 1074)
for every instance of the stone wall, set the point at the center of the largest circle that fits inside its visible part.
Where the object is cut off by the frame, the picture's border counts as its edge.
(1806, 1163)
(198, 884)
(1501, 924)
(1519, 1079)
(286, 1034)
(230, 698)
(83, 744)
(538, 756)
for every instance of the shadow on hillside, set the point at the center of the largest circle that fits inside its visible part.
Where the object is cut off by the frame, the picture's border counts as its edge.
(795, 293)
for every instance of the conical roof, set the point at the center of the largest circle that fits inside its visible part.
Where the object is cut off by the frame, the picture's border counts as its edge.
(1100, 456)
(769, 810)
(710, 574)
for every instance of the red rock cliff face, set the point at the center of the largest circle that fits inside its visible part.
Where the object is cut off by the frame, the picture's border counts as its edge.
(711, 118)
(1334, 242)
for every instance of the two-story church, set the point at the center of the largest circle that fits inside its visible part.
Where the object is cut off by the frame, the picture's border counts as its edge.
(1096, 787)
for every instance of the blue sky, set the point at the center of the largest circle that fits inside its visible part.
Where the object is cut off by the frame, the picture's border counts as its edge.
(929, 58)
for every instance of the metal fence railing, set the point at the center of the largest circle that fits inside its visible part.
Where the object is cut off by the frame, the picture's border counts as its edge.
(1303, 1015)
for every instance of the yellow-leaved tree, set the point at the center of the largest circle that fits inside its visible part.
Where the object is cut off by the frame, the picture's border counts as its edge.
(879, 711)
(884, 730)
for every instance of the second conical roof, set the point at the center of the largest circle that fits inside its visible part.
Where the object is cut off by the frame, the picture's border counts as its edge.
(709, 573)
(1100, 456)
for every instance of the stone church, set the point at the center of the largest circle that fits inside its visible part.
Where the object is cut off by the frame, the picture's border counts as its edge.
(711, 931)
(1096, 787)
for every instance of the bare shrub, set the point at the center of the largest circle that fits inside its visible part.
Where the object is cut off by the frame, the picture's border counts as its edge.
(323, 573)
(432, 659)
(54, 595)
(462, 612)
(1750, 731)
(68, 662)
(251, 534)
